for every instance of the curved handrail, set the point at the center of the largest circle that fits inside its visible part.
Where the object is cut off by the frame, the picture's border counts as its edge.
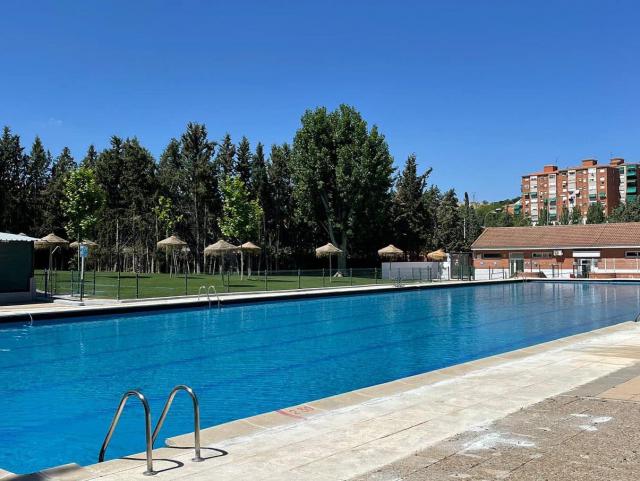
(147, 422)
(215, 293)
(196, 418)
(200, 289)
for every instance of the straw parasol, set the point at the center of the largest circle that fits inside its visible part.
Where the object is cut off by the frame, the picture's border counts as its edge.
(51, 242)
(88, 243)
(220, 249)
(250, 248)
(169, 245)
(439, 256)
(327, 250)
(171, 242)
(390, 252)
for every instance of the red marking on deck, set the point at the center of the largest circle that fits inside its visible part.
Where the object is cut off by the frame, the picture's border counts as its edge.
(295, 412)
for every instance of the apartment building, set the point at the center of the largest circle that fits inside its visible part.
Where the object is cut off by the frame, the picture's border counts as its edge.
(577, 188)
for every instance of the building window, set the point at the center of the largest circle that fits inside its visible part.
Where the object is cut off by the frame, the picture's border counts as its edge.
(632, 254)
(492, 255)
(541, 255)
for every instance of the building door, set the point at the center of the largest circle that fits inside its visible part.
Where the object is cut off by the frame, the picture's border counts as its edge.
(516, 263)
(584, 267)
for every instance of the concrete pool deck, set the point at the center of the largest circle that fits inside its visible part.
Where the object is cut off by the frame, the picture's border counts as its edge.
(358, 433)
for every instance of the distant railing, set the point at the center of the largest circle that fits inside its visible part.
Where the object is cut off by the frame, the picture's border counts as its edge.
(134, 285)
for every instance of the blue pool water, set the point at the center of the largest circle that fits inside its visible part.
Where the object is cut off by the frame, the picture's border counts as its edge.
(61, 381)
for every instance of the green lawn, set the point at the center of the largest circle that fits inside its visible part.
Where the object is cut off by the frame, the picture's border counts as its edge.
(105, 284)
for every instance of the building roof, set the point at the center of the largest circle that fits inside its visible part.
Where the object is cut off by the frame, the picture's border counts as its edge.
(6, 237)
(589, 236)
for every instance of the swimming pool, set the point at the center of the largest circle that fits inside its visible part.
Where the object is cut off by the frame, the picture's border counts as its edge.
(61, 380)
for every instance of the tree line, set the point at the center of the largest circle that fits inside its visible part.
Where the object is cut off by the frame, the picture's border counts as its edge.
(335, 182)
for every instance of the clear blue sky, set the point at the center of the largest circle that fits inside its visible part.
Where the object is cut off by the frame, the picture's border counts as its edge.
(482, 91)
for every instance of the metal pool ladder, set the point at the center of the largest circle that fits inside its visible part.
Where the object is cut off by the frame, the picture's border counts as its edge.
(196, 418)
(149, 437)
(147, 429)
(208, 292)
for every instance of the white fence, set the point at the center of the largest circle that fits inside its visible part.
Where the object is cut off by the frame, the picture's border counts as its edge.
(415, 270)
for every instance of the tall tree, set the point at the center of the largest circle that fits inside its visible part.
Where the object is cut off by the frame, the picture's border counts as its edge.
(564, 216)
(626, 212)
(240, 214)
(411, 218)
(543, 216)
(342, 174)
(225, 158)
(243, 162)
(54, 219)
(90, 158)
(280, 213)
(595, 214)
(196, 156)
(110, 171)
(82, 199)
(38, 172)
(576, 215)
(261, 189)
(12, 164)
(450, 223)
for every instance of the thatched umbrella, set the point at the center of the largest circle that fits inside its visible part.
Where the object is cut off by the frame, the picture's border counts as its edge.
(220, 249)
(53, 243)
(390, 252)
(439, 256)
(170, 244)
(50, 241)
(250, 248)
(327, 250)
(88, 243)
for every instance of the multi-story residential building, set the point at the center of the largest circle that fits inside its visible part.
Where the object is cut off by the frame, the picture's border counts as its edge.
(628, 180)
(553, 189)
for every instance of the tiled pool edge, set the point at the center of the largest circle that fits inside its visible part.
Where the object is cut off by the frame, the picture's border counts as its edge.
(152, 304)
(294, 415)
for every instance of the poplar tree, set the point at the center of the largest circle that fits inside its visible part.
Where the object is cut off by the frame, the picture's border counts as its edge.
(342, 175)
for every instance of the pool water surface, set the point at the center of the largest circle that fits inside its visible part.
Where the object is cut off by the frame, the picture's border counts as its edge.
(61, 380)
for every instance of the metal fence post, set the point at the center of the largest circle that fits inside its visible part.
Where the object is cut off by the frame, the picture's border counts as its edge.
(351, 275)
(228, 281)
(375, 274)
(186, 283)
(118, 293)
(266, 280)
(299, 280)
(46, 282)
(137, 285)
(323, 277)
(94, 281)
